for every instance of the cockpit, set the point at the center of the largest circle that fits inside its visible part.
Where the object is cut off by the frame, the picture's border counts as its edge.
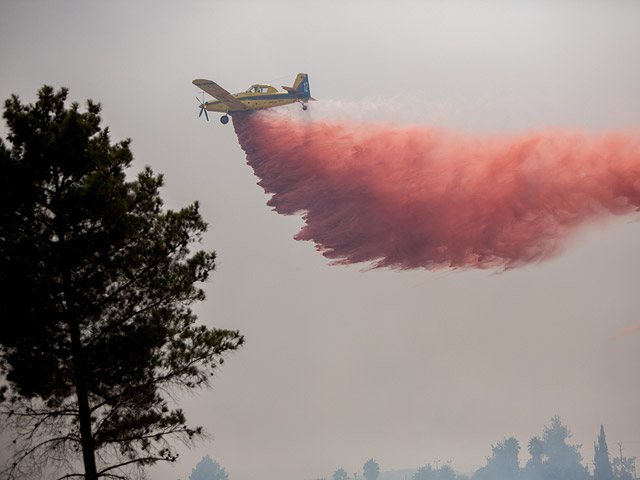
(260, 89)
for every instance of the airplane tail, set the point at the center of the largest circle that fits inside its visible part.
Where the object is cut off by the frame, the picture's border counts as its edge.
(301, 87)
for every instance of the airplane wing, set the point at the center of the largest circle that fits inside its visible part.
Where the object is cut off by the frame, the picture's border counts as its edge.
(215, 90)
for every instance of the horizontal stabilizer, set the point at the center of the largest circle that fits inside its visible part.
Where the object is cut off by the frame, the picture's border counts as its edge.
(300, 87)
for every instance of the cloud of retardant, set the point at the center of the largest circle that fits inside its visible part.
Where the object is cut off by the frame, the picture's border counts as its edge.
(409, 197)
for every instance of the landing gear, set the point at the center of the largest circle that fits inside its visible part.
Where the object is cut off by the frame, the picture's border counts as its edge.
(304, 107)
(224, 119)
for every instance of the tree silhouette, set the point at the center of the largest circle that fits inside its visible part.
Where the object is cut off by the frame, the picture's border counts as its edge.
(340, 474)
(602, 464)
(624, 467)
(427, 472)
(562, 460)
(96, 279)
(371, 469)
(503, 463)
(207, 469)
(533, 468)
(446, 473)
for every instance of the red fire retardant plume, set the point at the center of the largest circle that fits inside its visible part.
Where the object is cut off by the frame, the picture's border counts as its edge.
(408, 197)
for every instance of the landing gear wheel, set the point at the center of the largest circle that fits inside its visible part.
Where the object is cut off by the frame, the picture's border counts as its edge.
(304, 107)
(224, 119)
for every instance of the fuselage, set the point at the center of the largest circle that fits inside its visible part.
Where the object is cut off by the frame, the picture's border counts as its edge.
(257, 97)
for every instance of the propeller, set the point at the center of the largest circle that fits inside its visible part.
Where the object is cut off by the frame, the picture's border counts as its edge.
(203, 108)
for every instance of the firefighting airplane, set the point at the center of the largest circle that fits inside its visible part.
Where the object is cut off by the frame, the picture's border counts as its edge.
(258, 97)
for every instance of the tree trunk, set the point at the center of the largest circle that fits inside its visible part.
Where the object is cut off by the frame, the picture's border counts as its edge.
(84, 412)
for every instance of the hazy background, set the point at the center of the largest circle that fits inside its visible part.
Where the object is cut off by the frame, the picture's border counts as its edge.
(342, 364)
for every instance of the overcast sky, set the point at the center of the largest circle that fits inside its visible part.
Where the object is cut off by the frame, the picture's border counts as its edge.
(343, 364)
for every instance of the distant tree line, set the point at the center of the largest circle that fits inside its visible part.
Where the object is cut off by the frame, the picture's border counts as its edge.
(552, 458)
(370, 471)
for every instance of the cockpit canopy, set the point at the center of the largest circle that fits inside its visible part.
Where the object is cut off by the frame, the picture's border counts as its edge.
(261, 88)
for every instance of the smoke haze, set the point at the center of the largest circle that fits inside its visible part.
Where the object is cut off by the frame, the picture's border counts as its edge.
(407, 197)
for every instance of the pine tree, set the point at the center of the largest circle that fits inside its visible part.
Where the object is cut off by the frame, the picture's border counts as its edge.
(96, 280)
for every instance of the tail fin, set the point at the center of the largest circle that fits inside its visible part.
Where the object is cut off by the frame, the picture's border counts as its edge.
(300, 87)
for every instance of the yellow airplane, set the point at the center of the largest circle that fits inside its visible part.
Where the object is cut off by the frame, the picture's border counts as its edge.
(257, 97)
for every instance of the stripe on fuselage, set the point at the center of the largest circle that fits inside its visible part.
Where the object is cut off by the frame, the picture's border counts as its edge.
(255, 98)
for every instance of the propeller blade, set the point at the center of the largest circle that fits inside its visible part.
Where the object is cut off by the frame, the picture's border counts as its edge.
(203, 108)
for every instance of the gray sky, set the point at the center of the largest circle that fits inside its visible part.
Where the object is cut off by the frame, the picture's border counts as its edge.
(342, 364)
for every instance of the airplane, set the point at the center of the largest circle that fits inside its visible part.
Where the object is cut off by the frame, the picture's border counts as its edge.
(257, 97)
